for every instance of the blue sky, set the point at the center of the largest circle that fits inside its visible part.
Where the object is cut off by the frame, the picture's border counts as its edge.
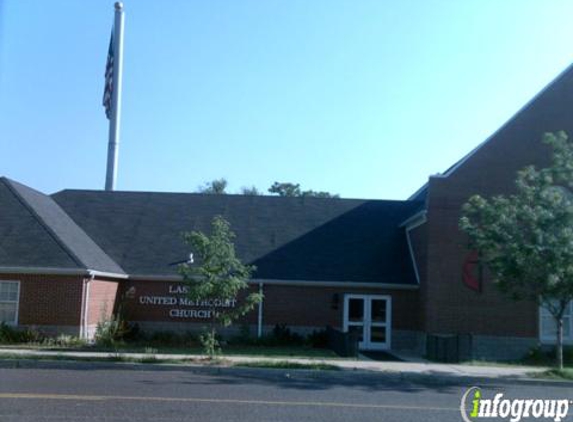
(361, 98)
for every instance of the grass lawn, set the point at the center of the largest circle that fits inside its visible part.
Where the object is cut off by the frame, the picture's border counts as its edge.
(500, 364)
(555, 374)
(565, 374)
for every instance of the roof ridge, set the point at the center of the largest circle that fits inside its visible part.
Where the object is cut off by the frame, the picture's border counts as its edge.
(226, 195)
(43, 224)
(459, 163)
(551, 84)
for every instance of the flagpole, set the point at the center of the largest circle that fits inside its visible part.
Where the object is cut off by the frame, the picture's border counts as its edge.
(114, 121)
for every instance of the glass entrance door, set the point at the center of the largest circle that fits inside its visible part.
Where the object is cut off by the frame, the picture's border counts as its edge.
(370, 317)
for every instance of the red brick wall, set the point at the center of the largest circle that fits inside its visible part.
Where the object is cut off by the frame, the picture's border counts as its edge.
(48, 299)
(313, 306)
(419, 241)
(290, 305)
(449, 305)
(102, 300)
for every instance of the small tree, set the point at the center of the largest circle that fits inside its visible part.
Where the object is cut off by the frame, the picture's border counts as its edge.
(214, 187)
(285, 189)
(293, 189)
(217, 279)
(250, 191)
(526, 239)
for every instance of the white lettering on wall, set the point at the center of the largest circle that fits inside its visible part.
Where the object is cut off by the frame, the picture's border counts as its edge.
(177, 299)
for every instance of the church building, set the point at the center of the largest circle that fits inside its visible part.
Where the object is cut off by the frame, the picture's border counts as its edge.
(398, 273)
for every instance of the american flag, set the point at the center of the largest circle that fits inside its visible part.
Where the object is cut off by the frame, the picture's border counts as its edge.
(108, 88)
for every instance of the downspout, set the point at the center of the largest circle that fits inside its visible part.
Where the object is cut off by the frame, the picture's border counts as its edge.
(82, 310)
(85, 327)
(260, 315)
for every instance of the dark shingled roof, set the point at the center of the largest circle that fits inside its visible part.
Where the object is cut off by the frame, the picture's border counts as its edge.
(315, 239)
(36, 232)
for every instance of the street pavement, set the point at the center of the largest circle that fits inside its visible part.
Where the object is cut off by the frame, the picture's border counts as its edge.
(95, 391)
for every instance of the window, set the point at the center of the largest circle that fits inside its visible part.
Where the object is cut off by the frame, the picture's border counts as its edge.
(9, 295)
(548, 326)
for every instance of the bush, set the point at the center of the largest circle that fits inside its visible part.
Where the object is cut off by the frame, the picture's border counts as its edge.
(11, 335)
(110, 332)
(210, 343)
(171, 339)
(285, 337)
(64, 340)
(318, 339)
(546, 356)
(8, 334)
(281, 336)
(164, 338)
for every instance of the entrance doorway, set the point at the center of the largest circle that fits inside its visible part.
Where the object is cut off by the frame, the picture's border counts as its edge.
(370, 316)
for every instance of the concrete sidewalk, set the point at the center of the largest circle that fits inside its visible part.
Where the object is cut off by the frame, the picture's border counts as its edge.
(362, 364)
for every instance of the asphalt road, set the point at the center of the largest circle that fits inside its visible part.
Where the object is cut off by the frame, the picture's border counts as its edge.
(105, 392)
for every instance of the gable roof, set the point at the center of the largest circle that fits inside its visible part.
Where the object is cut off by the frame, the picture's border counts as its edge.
(36, 232)
(310, 239)
(561, 90)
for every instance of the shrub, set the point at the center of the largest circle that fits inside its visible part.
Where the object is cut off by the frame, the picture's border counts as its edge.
(170, 339)
(281, 336)
(110, 332)
(542, 356)
(164, 338)
(8, 334)
(11, 335)
(318, 339)
(285, 337)
(210, 343)
(64, 340)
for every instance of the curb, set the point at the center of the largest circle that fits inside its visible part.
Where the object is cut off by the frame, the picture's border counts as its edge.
(355, 374)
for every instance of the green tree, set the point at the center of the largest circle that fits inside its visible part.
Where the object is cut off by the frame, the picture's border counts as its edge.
(217, 279)
(215, 187)
(252, 191)
(285, 189)
(319, 194)
(293, 189)
(526, 238)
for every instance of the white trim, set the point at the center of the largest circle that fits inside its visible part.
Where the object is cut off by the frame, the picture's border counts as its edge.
(17, 311)
(82, 310)
(415, 220)
(86, 310)
(95, 273)
(18, 303)
(412, 256)
(410, 224)
(546, 339)
(59, 271)
(367, 324)
(260, 313)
